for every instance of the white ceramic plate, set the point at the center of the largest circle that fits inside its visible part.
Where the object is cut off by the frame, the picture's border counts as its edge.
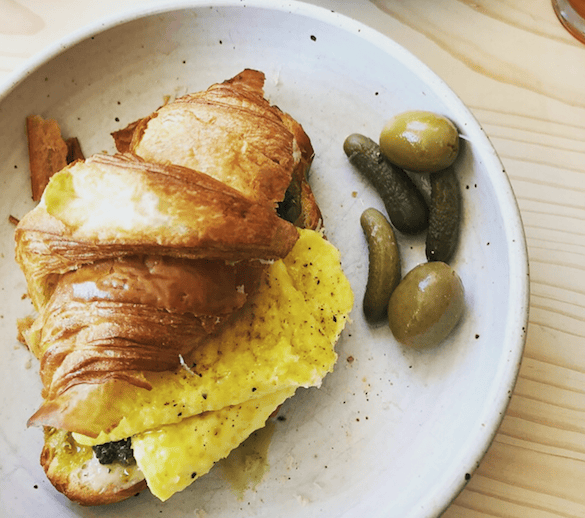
(393, 433)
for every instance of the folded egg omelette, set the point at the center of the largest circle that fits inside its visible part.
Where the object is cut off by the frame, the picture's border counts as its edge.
(194, 416)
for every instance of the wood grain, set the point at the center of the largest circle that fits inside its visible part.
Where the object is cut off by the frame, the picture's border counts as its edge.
(523, 77)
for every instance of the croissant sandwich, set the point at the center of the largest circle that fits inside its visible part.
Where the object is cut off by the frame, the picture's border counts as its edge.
(183, 290)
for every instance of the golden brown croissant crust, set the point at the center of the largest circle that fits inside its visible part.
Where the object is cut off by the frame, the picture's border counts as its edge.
(86, 216)
(230, 132)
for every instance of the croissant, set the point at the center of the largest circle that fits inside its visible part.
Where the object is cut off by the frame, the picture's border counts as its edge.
(119, 206)
(135, 262)
(232, 133)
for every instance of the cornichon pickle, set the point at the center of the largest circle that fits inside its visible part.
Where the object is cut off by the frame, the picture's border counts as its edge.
(404, 203)
(384, 268)
(444, 216)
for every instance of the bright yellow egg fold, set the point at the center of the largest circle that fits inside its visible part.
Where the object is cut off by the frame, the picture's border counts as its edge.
(283, 339)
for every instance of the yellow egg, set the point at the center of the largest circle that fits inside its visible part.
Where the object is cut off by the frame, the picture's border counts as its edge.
(194, 417)
(174, 456)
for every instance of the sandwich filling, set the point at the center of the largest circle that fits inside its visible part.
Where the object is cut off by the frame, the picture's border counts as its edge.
(282, 339)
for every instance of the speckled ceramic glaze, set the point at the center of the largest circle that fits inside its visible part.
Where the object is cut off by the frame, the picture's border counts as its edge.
(391, 432)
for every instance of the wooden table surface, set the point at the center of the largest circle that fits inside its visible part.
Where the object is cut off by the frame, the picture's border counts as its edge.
(523, 77)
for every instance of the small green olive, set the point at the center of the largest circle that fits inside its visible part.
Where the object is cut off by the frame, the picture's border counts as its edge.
(420, 141)
(426, 305)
